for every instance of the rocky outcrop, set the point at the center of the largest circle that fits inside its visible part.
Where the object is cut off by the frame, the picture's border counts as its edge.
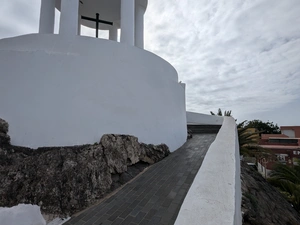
(64, 180)
(262, 204)
(4, 137)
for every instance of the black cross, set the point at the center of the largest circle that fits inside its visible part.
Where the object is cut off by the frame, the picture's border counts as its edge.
(97, 21)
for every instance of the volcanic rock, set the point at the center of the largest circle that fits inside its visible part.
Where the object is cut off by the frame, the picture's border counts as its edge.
(262, 204)
(65, 180)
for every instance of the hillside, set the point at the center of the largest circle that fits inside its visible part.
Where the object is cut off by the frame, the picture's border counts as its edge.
(262, 204)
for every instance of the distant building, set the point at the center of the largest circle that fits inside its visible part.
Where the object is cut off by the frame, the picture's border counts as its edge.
(291, 131)
(285, 146)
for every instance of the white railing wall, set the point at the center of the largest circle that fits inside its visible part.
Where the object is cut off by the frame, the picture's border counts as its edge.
(215, 195)
(203, 119)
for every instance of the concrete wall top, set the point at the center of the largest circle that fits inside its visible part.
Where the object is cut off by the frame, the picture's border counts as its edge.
(199, 118)
(215, 195)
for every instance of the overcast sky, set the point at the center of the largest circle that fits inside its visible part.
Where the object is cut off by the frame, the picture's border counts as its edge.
(239, 55)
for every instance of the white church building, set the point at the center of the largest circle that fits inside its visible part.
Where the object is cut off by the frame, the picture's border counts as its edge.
(67, 89)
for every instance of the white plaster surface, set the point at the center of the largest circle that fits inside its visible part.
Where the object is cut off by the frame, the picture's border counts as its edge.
(263, 171)
(68, 90)
(128, 22)
(68, 24)
(215, 195)
(113, 33)
(139, 26)
(47, 16)
(289, 133)
(21, 214)
(199, 118)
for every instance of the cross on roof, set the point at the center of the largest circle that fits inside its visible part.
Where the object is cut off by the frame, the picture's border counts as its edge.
(97, 21)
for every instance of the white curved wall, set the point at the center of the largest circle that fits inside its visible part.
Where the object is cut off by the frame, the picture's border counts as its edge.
(57, 90)
(199, 118)
(215, 195)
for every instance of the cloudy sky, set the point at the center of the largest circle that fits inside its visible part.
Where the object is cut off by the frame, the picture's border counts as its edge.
(239, 55)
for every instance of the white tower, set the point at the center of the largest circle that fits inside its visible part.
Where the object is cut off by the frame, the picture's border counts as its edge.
(67, 89)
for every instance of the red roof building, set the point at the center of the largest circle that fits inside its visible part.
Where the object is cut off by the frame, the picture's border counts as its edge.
(291, 131)
(285, 146)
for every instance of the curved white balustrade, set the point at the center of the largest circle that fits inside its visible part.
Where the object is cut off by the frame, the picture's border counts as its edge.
(215, 195)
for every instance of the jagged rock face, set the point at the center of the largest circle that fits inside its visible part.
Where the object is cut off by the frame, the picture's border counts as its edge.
(120, 151)
(153, 153)
(59, 180)
(4, 137)
(262, 204)
(64, 180)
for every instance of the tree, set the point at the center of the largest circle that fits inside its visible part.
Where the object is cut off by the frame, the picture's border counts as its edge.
(226, 113)
(248, 142)
(248, 136)
(262, 127)
(287, 179)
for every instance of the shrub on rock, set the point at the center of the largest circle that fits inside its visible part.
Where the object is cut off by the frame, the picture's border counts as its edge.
(4, 137)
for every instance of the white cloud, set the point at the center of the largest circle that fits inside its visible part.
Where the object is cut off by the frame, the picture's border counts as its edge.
(239, 55)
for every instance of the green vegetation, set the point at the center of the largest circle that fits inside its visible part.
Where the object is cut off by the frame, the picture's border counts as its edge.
(249, 141)
(262, 127)
(287, 179)
(226, 113)
(252, 199)
(248, 135)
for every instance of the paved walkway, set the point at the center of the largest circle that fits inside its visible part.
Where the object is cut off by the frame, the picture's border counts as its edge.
(155, 196)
